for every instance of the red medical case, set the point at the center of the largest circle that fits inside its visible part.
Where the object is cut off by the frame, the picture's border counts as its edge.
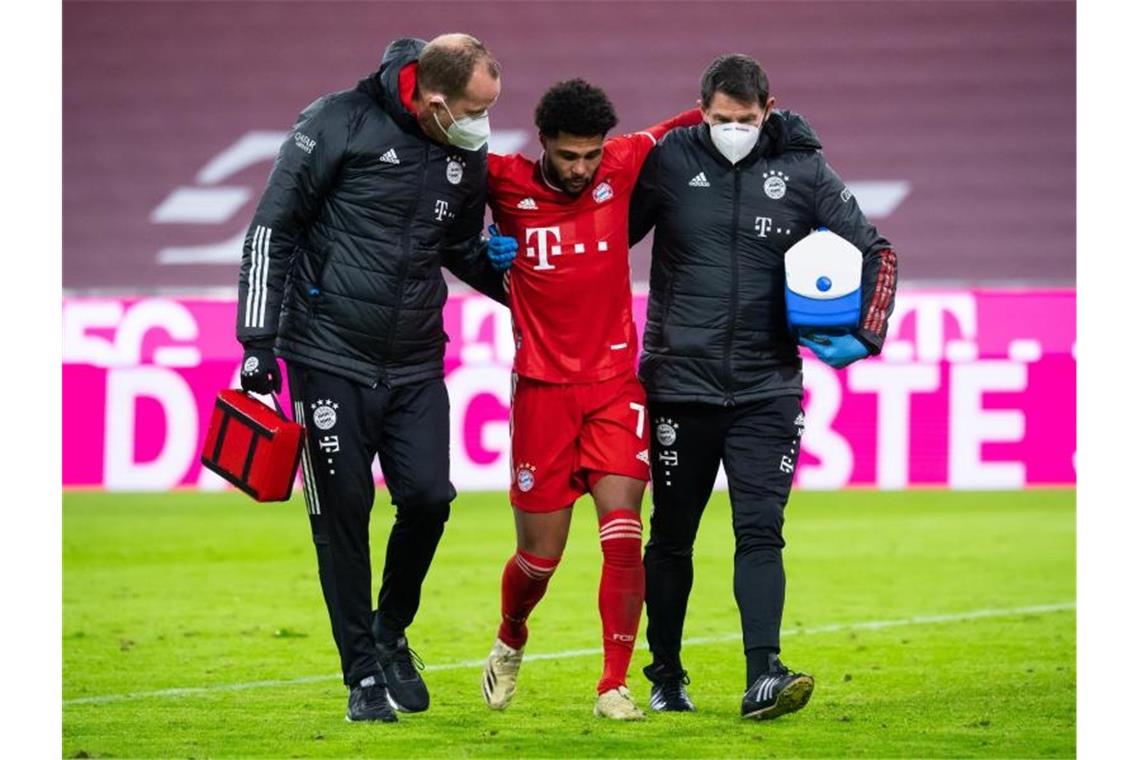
(253, 446)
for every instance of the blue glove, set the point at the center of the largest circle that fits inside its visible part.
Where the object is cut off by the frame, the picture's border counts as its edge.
(501, 250)
(835, 351)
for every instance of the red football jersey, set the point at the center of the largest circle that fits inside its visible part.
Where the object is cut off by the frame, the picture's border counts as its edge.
(569, 287)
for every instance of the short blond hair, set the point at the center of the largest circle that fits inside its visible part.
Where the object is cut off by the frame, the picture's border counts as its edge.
(447, 63)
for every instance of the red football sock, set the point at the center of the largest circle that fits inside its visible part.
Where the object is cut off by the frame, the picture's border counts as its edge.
(620, 594)
(524, 582)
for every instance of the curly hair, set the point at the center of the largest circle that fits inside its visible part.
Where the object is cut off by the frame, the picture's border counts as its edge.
(574, 107)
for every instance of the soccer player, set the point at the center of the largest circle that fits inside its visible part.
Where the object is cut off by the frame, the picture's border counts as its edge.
(578, 420)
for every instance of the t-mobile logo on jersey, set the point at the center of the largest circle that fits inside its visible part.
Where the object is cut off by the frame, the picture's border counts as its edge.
(545, 242)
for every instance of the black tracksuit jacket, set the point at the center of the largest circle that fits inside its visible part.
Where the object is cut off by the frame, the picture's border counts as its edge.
(716, 329)
(341, 265)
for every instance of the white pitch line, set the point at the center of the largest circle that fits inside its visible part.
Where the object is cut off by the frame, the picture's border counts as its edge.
(867, 625)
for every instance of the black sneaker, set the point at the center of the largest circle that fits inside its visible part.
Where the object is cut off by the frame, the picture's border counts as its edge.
(368, 700)
(668, 693)
(777, 692)
(407, 692)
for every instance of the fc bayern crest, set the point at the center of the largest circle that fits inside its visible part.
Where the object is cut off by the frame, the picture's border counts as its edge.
(525, 479)
(775, 185)
(666, 432)
(603, 192)
(454, 170)
(324, 413)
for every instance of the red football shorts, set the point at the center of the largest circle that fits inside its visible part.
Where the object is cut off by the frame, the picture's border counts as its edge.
(561, 434)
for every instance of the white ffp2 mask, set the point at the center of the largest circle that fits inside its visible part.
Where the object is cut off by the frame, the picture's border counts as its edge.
(469, 133)
(734, 140)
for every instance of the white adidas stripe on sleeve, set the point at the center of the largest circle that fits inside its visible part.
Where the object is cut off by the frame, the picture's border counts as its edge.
(256, 295)
(264, 276)
(252, 278)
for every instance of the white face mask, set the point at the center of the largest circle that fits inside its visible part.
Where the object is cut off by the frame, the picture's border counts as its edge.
(734, 140)
(469, 133)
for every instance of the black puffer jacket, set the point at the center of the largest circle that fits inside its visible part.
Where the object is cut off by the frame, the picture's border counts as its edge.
(716, 329)
(341, 265)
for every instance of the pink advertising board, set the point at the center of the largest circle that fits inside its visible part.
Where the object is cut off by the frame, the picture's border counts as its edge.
(975, 389)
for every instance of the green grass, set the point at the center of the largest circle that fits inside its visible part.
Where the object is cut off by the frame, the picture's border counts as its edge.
(190, 590)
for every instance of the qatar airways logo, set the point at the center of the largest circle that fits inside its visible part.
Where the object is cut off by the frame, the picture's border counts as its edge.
(546, 243)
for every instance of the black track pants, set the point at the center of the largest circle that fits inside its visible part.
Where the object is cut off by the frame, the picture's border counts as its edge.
(759, 443)
(346, 426)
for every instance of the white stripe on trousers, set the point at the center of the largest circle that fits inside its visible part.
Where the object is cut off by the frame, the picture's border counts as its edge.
(307, 480)
(309, 477)
(297, 410)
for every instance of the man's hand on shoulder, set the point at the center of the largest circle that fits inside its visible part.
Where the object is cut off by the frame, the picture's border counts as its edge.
(259, 370)
(836, 351)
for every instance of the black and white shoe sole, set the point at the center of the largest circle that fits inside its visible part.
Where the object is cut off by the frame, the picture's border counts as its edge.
(348, 719)
(791, 698)
(666, 707)
(399, 707)
(673, 709)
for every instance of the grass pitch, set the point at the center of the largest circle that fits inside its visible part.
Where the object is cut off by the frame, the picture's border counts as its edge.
(936, 624)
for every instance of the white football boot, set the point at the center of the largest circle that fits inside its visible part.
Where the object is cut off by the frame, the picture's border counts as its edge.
(500, 675)
(617, 704)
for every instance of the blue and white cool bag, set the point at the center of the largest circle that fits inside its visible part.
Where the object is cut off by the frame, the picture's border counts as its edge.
(823, 275)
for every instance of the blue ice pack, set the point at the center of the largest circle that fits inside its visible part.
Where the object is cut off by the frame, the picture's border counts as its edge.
(823, 276)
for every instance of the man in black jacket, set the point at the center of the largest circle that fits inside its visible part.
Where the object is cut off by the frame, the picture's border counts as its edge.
(721, 370)
(372, 191)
